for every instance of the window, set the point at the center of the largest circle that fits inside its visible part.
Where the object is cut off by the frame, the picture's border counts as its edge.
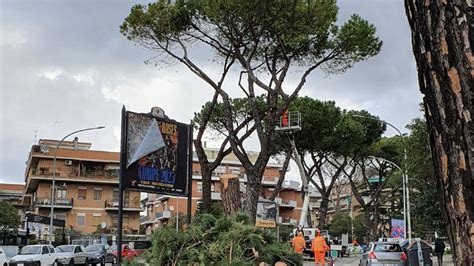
(115, 221)
(126, 198)
(125, 221)
(97, 194)
(81, 220)
(81, 193)
(51, 249)
(45, 250)
(199, 186)
(96, 219)
(112, 171)
(61, 193)
(234, 170)
(115, 196)
(61, 216)
(77, 249)
(219, 170)
(386, 247)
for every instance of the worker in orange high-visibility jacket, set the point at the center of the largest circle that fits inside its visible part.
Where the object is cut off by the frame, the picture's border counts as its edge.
(298, 243)
(319, 247)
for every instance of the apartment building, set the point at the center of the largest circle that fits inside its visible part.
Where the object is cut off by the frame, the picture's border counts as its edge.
(342, 200)
(86, 195)
(160, 208)
(13, 194)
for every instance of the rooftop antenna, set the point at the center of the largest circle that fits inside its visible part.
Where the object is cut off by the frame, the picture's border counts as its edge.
(36, 135)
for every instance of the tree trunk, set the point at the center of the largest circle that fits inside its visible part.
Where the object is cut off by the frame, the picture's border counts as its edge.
(206, 187)
(375, 221)
(442, 38)
(323, 210)
(230, 193)
(251, 198)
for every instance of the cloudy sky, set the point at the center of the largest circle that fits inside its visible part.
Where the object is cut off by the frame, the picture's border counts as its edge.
(65, 66)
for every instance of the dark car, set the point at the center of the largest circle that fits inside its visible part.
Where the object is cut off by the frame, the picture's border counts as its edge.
(100, 253)
(411, 250)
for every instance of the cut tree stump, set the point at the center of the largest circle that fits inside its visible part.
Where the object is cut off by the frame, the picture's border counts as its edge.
(230, 193)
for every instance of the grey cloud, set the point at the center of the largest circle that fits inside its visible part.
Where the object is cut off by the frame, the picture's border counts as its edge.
(81, 37)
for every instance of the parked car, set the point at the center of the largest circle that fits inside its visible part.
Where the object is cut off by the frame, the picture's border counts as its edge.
(411, 250)
(383, 253)
(3, 258)
(100, 253)
(35, 255)
(71, 255)
(127, 253)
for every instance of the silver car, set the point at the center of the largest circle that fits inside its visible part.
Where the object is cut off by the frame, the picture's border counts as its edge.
(383, 253)
(71, 255)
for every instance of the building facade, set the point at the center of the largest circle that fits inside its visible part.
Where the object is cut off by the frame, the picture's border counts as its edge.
(160, 208)
(13, 194)
(86, 194)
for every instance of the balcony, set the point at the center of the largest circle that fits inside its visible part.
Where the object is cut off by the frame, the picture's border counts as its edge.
(163, 215)
(60, 203)
(33, 181)
(145, 220)
(289, 184)
(269, 182)
(286, 221)
(288, 204)
(111, 205)
(215, 196)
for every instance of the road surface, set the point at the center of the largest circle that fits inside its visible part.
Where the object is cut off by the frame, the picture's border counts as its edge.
(350, 261)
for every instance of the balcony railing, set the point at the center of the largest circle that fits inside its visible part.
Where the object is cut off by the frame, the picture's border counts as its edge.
(286, 220)
(58, 203)
(145, 220)
(163, 215)
(112, 205)
(74, 173)
(215, 196)
(288, 203)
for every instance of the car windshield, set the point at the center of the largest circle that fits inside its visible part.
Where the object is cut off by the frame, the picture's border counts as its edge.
(94, 248)
(65, 249)
(385, 247)
(29, 250)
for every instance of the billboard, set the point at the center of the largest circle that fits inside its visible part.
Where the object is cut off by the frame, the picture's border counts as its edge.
(266, 214)
(157, 154)
(397, 228)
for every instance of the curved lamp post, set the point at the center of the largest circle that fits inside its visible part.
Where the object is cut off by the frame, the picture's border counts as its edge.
(405, 172)
(54, 178)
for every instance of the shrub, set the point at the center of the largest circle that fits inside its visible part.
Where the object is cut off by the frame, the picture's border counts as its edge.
(216, 239)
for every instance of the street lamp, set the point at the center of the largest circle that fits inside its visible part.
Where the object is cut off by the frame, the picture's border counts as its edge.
(405, 172)
(54, 178)
(404, 187)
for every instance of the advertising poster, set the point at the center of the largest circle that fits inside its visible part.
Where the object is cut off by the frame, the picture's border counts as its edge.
(397, 228)
(266, 214)
(157, 152)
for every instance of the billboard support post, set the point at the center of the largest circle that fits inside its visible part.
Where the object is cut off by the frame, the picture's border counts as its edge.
(190, 174)
(123, 164)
